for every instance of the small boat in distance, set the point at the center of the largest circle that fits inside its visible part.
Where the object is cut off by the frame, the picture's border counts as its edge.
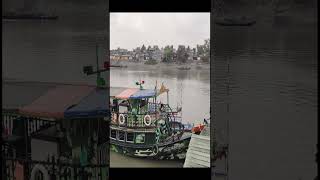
(235, 21)
(29, 16)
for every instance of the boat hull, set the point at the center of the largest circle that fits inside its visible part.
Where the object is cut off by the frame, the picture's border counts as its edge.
(168, 150)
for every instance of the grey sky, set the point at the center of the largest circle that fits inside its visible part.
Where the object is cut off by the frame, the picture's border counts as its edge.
(131, 30)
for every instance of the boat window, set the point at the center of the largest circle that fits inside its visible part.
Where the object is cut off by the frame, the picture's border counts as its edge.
(123, 109)
(113, 134)
(140, 138)
(130, 137)
(121, 135)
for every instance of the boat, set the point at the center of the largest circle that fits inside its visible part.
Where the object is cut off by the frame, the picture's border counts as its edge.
(142, 126)
(29, 16)
(184, 68)
(188, 127)
(234, 21)
(197, 129)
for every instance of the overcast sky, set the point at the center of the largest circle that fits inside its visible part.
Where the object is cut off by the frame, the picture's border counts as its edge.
(131, 30)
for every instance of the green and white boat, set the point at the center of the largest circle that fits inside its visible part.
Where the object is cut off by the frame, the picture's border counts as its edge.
(142, 126)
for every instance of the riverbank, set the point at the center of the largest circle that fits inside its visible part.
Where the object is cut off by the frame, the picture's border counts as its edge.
(171, 66)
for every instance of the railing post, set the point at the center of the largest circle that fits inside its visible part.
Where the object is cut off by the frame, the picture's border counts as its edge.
(75, 172)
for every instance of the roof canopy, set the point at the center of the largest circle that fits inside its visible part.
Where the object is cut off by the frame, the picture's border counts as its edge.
(145, 93)
(126, 94)
(58, 101)
(53, 103)
(18, 94)
(139, 93)
(94, 105)
(55, 100)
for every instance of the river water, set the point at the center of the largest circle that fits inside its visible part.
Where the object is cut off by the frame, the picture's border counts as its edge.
(272, 98)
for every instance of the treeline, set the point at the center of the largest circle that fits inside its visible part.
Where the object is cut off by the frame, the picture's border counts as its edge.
(183, 53)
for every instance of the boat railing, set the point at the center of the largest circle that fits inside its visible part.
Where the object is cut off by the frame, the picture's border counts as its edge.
(134, 120)
(13, 124)
(53, 168)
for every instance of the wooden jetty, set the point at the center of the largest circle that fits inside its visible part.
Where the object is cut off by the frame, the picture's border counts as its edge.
(198, 154)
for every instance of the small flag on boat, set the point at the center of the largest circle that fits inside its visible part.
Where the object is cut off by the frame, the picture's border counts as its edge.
(163, 89)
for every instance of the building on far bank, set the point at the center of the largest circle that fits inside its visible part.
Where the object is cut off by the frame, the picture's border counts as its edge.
(118, 57)
(154, 53)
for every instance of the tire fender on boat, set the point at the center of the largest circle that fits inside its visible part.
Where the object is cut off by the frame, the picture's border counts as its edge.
(42, 169)
(147, 122)
(114, 117)
(155, 149)
(121, 119)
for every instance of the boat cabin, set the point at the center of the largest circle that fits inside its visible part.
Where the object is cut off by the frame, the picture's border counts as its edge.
(139, 118)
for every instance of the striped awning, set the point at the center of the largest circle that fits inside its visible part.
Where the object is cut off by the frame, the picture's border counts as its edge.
(54, 103)
(126, 94)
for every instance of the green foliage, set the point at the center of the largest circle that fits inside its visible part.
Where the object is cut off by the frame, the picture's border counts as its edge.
(204, 51)
(168, 54)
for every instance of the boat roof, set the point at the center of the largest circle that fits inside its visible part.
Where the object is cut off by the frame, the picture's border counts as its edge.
(127, 93)
(116, 90)
(18, 94)
(144, 93)
(96, 104)
(55, 100)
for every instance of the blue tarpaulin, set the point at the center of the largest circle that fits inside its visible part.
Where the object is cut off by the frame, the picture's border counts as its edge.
(94, 105)
(145, 93)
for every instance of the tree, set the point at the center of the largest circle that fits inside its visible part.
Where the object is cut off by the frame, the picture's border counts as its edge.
(167, 54)
(182, 55)
(203, 51)
(194, 51)
(206, 51)
(188, 49)
(200, 50)
(143, 48)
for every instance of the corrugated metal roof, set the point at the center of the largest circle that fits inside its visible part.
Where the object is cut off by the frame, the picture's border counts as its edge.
(94, 105)
(145, 93)
(127, 93)
(114, 91)
(18, 94)
(53, 103)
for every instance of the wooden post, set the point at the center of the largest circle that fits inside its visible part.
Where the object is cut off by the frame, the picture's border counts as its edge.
(228, 138)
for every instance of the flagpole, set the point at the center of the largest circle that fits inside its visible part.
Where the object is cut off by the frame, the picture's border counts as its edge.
(155, 98)
(168, 96)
